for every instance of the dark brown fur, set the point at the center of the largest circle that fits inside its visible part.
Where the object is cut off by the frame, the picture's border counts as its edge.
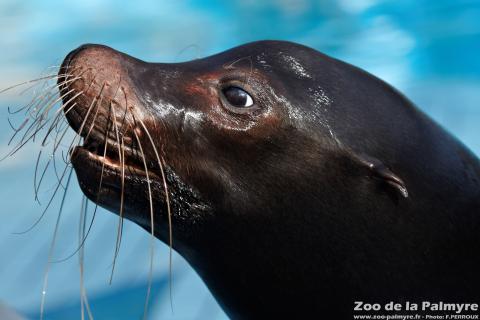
(333, 188)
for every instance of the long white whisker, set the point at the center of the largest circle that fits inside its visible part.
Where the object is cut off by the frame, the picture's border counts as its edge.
(52, 247)
(152, 227)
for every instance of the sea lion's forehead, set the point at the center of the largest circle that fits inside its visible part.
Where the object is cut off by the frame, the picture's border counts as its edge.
(266, 55)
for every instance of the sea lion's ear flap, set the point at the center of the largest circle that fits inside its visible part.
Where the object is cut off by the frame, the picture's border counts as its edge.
(379, 170)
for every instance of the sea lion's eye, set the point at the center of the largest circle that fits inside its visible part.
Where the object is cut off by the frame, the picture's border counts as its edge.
(237, 97)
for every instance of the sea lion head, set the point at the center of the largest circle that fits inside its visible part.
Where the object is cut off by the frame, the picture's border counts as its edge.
(226, 129)
(240, 153)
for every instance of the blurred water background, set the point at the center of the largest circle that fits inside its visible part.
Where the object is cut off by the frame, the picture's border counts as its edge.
(429, 49)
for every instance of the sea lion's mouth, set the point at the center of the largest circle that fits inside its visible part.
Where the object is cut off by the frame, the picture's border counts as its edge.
(105, 170)
(111, 160)
(123, 160)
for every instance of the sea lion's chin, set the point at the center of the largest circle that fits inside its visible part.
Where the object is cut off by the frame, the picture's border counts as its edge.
(135, 189)
(105, 180)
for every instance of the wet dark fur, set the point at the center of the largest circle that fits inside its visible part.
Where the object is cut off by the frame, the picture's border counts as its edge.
(290, 220)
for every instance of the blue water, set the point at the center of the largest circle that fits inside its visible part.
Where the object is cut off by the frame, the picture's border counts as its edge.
(430, 50)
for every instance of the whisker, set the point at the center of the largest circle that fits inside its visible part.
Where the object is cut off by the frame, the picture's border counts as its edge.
(77, 135)
(19, 146)
(194, 46)
(152, 227)
(35, 176)
(36, 83)
(122, 124)
(16, 130)
(80, 130)
(98, 197)
(57, 115)
(122, 161)
(47, 77)
(47, 108)
(37, 119)
(46, 208)
(37, 99)
(81, 236)
(61, 125)
(83, 214)
(20, 127)
(53, 160)
(57, 144)
(97, 105)
(120, 216)
(24, 141)
(161, 162)
(52, 246)
(66, 166)
(29, 81)
(55, 147)
(41, 95)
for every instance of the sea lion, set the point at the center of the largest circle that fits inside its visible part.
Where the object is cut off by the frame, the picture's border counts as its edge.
(297, 184)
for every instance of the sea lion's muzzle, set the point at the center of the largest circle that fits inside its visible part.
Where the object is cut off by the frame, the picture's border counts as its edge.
(94, 80)
(101, 105)
(120, 107)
